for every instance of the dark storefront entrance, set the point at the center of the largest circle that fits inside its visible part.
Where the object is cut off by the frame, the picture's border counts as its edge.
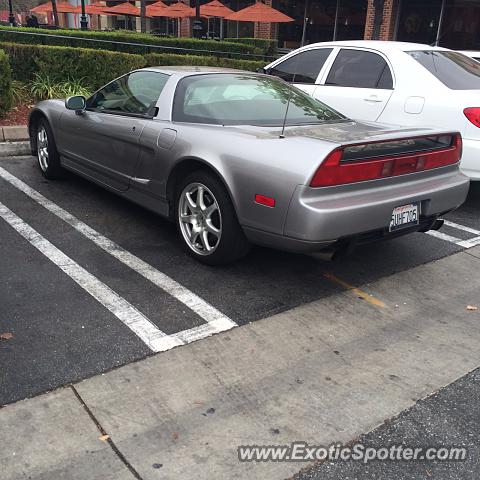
(324, 20)
(449, 23)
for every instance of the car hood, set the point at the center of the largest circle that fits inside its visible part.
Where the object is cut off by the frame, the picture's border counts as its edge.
(345, 132)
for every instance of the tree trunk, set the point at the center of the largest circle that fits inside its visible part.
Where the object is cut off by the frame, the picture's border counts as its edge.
(55, 13)
(143, 18)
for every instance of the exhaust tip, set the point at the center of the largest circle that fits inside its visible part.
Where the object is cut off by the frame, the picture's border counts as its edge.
(437, 224)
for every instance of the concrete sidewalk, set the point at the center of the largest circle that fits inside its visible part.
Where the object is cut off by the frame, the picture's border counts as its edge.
(14, 141)
(325, 372)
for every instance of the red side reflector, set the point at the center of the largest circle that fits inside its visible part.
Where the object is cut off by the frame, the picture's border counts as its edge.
(263, 200)
(333, 172)
(473, 114)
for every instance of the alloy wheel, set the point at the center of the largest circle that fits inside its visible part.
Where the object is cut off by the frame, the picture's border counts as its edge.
(42, 148)
(199, 218)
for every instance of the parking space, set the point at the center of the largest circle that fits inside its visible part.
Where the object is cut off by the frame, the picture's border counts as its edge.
(91, 281)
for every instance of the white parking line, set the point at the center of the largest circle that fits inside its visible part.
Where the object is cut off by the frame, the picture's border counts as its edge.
(461, 227)
(469, 243)
(218, 321)
(154, 338)
(444, 236)
(197, 333)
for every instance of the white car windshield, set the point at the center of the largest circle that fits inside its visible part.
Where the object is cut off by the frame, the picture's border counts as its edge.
(246, 99)
(453, 69)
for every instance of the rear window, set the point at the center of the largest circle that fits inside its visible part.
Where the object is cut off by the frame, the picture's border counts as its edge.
(453, 69)
(246, 99)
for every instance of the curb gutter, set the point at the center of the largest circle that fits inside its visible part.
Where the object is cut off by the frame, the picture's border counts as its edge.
(14, 141)
(13, 149)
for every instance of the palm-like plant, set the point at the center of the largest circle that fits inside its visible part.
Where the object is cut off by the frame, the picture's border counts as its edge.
(44, 87)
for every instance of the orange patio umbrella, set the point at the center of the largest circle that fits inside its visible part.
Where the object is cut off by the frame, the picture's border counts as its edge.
(91, 9)
(261, 13)
(179, 10)
(155, 8)
(125, 8)
(62, 7)
(215, 9)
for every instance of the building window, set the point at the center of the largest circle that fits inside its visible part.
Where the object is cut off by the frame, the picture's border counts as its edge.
(239, 29)
(453, 24)
(419, 20)
(324, 20)
(460, 25)
(351, 20)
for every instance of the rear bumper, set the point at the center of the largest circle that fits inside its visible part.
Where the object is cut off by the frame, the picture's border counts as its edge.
(342, 245)
(319, 217)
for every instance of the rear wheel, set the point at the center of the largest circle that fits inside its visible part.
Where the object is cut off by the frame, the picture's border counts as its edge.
(47, 155)
(207, 221)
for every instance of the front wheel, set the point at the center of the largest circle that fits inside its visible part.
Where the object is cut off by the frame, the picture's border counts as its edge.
(207, 221)
(47, 155)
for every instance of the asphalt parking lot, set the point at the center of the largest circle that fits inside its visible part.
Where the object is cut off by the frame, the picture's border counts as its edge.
(65, 330)
(449, 417)
(327, 351)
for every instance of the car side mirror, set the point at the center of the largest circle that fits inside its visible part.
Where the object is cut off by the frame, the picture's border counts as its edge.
(77, 103)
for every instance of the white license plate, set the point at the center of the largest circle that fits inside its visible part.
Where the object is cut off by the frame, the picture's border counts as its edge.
(404, 216)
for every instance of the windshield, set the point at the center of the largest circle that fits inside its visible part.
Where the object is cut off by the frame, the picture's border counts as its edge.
(244, 99)
(453, 69)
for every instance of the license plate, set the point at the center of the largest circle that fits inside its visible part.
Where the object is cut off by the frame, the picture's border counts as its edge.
(404, 216)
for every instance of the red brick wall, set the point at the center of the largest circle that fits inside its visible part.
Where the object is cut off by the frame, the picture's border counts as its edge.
(265, 30)
(387, 28)
(186, 27)
(186, 23)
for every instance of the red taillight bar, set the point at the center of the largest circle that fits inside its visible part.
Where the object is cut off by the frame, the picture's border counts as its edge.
(333, 172)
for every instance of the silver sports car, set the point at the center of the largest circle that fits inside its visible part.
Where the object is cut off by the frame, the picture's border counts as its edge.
(235, 158)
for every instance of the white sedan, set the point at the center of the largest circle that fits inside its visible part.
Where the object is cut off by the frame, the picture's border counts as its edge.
(393, 82)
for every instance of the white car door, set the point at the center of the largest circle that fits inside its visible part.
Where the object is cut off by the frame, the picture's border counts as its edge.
(358, 84)
(302, 69)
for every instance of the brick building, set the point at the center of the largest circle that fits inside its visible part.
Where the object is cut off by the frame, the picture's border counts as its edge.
(450, 23)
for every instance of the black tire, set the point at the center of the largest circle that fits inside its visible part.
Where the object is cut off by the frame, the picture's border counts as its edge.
(232, 244)
(50, 165)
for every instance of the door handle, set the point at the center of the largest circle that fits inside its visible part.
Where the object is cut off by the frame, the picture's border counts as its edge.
(373, 99)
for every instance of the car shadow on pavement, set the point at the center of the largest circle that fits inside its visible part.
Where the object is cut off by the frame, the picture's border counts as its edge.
(265, 282)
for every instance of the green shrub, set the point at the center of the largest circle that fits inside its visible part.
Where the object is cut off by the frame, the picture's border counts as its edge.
(6, 96)
(63, 71)
(61, 64)
(155, 59)
(53, 37)
(268, 47)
